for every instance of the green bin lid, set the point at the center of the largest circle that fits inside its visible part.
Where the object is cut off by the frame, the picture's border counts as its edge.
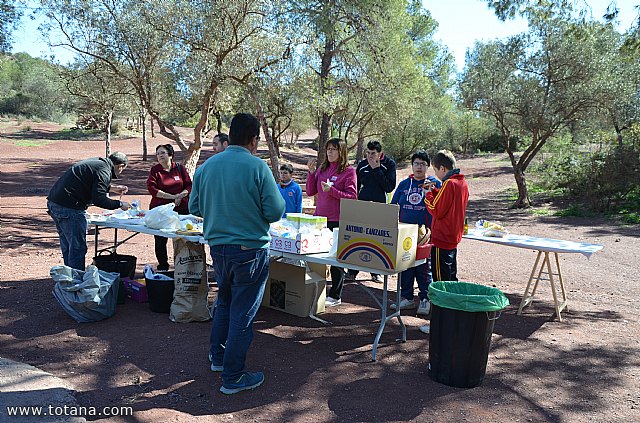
(465, 296)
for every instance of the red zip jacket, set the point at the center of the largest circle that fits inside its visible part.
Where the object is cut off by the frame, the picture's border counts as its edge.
(448, 207)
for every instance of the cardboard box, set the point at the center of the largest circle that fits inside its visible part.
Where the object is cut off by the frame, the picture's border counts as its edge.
(371, 236)
(293, 290)
(302, 244)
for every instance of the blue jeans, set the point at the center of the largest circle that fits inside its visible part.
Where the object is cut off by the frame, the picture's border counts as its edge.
(241, 274)
(72, 231)
(422, 275)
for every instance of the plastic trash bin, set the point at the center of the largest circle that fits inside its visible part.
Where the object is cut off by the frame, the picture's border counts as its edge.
(160, 293)
(122, 264)
(462, 318)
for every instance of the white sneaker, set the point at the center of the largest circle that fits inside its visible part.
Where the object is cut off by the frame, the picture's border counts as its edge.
(425, 329)
(404, 304)
(332, 302)
(424, 307)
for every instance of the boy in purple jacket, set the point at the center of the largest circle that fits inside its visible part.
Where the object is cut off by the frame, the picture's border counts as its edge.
(410, 197)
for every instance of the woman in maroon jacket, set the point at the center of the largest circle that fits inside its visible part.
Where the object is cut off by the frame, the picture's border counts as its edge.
(168, 182)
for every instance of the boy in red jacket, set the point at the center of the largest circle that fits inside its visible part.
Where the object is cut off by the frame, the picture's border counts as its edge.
(448, 207)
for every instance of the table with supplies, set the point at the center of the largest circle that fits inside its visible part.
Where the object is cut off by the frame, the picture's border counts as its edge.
(329, 259)
(319, 258)
(136, 226)
(548, 250)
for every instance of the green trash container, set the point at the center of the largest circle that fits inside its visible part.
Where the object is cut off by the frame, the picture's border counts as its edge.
(462, 317)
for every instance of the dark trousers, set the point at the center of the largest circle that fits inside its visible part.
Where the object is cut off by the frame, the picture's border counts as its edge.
(337, 273)
(161, 252)
(444, 264)
(161, 248)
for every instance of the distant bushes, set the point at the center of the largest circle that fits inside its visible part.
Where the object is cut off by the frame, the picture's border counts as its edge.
(31, 88)
(604, 177)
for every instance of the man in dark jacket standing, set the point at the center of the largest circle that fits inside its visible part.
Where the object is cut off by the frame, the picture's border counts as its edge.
(376, 177)
(85, 183)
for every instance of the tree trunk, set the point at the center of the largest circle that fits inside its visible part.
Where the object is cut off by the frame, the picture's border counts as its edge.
(151, 126)
(273, 155)
(325, 69)
(618, 135)
(324, 135)
(276, 143)
(107, 132)
(359, 147)
(218, 122)
(523, 193)
(143, 119)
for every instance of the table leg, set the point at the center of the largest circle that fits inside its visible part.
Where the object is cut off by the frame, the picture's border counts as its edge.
(564, 293)
(385, 318)
(527, 298)
(399, 316)
(546, 263)
(95, 244)
(558, 306)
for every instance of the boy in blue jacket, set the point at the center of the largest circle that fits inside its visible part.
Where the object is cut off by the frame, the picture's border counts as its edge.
(410, 197)
(290, 191)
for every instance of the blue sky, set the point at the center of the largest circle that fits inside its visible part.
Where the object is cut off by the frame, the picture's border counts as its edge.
(461, 23)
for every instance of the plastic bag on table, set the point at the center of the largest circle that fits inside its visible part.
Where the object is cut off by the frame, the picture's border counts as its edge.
(87, 296)
(162, 217)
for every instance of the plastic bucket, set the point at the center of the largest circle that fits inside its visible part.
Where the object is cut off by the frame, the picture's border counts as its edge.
(160, 293)
(122, 264)
(460, 340)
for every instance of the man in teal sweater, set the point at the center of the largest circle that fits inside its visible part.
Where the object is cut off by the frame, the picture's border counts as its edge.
(236, 194)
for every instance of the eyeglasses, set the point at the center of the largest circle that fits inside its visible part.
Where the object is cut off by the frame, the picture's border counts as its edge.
(419, 164)
(161, 153)
(332, 149)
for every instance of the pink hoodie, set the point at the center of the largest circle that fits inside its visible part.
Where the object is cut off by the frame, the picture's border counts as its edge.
(344, 186)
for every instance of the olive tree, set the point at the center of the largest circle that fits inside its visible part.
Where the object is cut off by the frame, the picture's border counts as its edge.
(535, 84)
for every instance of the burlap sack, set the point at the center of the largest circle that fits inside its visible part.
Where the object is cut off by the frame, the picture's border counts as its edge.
(190, 294)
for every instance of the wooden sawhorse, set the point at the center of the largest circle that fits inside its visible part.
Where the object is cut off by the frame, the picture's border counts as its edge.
(539, 267)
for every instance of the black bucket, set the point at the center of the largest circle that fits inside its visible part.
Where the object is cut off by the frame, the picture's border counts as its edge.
(118, 263)
(459, 345)
(160, 293)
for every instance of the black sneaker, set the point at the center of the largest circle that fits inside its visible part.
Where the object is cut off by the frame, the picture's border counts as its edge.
(246, 381)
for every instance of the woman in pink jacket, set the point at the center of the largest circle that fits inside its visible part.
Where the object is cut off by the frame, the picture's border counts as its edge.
(335, 179)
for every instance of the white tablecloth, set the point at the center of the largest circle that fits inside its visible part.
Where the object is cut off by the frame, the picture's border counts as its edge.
(539, 244)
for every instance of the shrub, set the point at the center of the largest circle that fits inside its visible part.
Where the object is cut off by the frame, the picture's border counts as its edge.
(605, 178)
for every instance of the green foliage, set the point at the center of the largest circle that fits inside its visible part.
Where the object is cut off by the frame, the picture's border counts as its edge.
(603, 178)
(77, 134)
(541, 212)
(31, 88)
(10, 15)
(573, 211)
(632, 218)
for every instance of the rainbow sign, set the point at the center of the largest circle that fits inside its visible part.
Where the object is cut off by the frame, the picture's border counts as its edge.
(367, 251)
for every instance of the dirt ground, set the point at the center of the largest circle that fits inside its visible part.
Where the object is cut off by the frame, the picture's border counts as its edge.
(584, 369)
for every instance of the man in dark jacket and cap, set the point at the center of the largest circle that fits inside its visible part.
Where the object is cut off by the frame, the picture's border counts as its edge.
(86, 183)
(376, 178)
